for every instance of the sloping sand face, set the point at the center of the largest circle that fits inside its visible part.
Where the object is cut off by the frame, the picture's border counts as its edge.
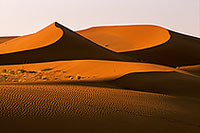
(47, 45)
(180, 50)
(40, 39)
(134, 76)
(4, 39)
(127, 38)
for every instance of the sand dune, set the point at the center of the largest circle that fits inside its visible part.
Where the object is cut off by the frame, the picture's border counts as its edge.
(45, 37)
(4, 39)
(135, 76)
(127, 38)
(90, 82)
(147, 43)
(70, 46)
(180, 50)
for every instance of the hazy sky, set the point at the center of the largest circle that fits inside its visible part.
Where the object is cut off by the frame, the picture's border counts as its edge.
(19, 17)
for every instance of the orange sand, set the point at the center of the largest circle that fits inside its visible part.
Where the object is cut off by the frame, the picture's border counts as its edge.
(4, 39)
(125, 96)
(40, 39)
(127, 38)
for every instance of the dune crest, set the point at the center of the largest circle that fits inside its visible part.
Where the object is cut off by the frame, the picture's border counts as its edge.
(127, 38)
(42, 38)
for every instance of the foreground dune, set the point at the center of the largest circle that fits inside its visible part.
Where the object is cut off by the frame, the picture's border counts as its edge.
(127, 38)
(94, 109)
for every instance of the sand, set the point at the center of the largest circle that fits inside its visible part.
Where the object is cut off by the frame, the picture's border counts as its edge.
(127, 38)
(56, 80)
(44, 37)
(94, 109)
(4, 39)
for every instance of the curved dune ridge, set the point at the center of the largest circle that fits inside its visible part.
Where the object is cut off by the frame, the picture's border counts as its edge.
(4, 39)
(124, 76)
(93, 68)
(48, 45)
(192, 69)
(135, 76)
(127, 38)
(180, 50)
(45, 37)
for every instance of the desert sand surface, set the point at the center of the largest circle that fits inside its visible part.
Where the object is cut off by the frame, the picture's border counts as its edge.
(4, 39)
(195, 69)
(127, 38)
(95, 109)
(57, 80)
(147, 43)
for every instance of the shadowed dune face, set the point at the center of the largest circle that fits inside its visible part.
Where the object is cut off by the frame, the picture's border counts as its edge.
(170, 83)
(4, 39)
(127, 38)
(192, 69)
(180, 50)
(71, 46)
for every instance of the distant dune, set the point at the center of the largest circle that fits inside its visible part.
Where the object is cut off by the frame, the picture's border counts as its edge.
(148, 44)
(127, 38)
(53, 43)
(103, 79)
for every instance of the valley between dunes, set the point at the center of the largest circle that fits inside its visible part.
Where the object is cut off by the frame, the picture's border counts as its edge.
(140, 78)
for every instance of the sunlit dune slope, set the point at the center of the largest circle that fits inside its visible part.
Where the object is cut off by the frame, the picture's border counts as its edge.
(99, 70)
(127, 38)
(180, 50)
(4, 39)
(135, 76)
(72, 102)
(44, 37)
(55, 42)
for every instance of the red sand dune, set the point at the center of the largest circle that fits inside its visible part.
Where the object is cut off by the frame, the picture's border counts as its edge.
(127, 38)
(53, 43)
(148, 43)
(166, 100)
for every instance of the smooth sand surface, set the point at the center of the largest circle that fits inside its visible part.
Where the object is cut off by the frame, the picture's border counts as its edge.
(4, 39)
(44, 37)
(127, 38)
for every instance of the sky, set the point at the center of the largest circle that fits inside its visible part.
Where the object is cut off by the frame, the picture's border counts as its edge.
(21, 17)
